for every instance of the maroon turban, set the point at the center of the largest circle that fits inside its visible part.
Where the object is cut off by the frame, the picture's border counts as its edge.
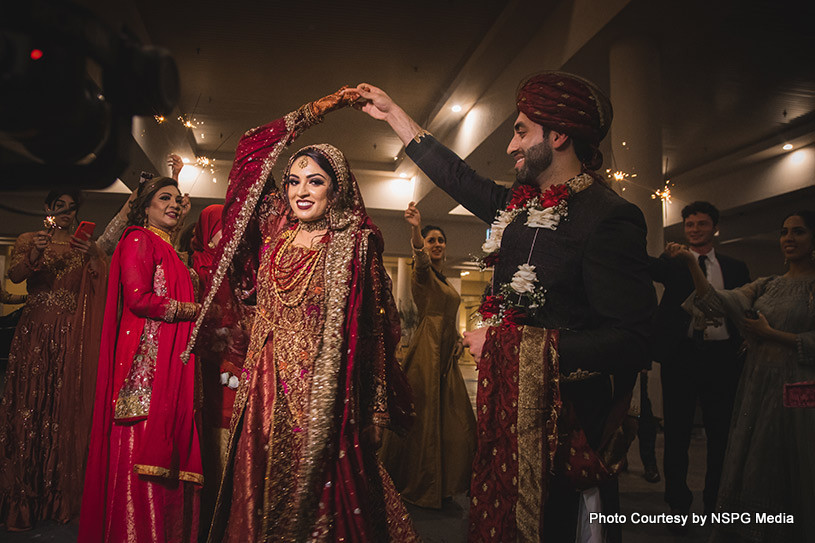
(569, 104)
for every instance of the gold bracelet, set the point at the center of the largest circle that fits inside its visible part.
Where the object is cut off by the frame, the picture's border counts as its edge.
(307, 115)
(301, 118)
(422, 134)
(187, 311)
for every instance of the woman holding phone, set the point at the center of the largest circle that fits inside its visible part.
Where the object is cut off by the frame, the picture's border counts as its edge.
(769, 468)
(45, 413)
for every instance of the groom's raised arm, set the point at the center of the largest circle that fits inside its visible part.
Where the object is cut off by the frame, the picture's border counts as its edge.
(481, 196)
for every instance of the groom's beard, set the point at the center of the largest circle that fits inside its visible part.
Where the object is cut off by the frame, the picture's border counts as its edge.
(536, 159)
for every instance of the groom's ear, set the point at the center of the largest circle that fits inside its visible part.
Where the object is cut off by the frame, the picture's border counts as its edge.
(558, 140)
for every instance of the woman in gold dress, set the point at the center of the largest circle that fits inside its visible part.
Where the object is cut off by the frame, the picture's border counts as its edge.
(434, 460)
(320, 379)
(45, 413)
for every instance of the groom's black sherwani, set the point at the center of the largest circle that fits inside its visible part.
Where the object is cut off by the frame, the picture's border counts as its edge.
(594, 267)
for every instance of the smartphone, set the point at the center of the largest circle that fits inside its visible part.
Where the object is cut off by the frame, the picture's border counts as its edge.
(85, 230)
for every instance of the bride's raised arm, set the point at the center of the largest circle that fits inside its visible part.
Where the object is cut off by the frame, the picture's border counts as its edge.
(255, 156)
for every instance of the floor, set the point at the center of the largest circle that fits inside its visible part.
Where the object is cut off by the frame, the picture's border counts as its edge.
(449, 525)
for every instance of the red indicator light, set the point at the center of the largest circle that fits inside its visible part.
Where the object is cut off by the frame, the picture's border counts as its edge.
(36, 54)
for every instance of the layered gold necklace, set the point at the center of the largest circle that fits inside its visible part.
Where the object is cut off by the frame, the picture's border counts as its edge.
(286, 277)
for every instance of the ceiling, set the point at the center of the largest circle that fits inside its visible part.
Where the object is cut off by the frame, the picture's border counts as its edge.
(735, 75)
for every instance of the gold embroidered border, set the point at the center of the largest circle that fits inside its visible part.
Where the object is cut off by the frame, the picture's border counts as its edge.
(538, 409)
(133, 399)
(322, 402)
(253, 351)
(170, 311)
(531, 396)
(156, 471)
(244, 215)
(268, 481)
(131, 408)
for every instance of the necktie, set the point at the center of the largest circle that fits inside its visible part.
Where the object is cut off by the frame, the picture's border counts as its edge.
(699, 335)
(703, 263)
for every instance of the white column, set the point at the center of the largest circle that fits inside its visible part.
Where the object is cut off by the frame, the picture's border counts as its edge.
(403, 295)
(636, 131)
(636, 140)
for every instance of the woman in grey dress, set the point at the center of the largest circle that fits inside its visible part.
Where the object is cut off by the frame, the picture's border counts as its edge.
(770, 463)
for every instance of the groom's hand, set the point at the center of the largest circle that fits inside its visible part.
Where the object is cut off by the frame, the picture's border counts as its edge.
(474, 341)
(376, 103)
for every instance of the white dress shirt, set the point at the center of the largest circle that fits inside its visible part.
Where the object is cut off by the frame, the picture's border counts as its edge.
(716, 330)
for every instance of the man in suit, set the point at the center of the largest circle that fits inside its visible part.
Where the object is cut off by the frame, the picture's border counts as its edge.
(699, 363)
(571, 304)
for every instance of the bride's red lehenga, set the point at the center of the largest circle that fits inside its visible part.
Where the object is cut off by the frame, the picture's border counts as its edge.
(320, 369)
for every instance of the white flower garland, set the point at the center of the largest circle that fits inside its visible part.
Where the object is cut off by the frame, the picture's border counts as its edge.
(538, 216)
(525, 281)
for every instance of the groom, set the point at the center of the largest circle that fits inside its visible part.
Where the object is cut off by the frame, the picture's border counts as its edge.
(570, 310)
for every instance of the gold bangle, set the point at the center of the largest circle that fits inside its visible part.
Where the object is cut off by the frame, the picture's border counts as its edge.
(301, 118)
(312, 117)
(422, 134)
(308, 116)
(187, 311)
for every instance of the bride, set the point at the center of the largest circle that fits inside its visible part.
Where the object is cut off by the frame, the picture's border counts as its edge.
(320, 380)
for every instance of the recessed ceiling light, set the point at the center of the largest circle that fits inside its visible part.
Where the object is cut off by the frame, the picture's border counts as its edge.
(185, 160)
(402, 175)
(456, 108)
(214, 180)
(787, 147)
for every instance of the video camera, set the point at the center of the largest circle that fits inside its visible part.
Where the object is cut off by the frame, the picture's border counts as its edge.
(69, 88)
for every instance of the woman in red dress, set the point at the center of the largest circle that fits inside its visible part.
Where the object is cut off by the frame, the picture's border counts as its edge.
(144, 468)
(320, 379)
(47, 403)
